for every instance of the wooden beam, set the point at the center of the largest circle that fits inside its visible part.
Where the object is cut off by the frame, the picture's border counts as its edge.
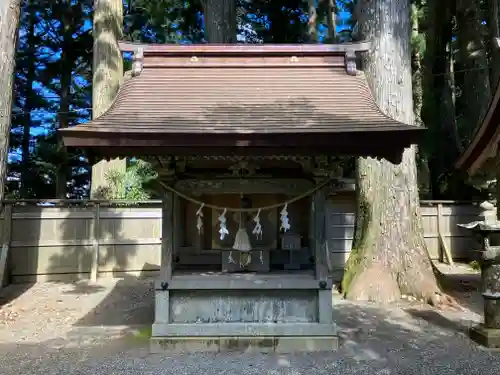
(442, 244)
(220, 282)
(167, 240)
(320, 261)
(318, 208)
(177, 226)
(96, 235)
(245, 49)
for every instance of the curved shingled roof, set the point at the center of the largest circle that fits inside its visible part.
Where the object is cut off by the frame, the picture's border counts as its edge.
(485, 140)
(244, 96)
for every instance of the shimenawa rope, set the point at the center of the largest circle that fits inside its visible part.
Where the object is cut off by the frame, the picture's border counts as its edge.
(254, 209)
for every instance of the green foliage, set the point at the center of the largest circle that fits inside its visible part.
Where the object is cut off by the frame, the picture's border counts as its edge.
(418, 38)
(52, 90)
(40, 67)
(163, 21)
(360, 246)
(132, 185)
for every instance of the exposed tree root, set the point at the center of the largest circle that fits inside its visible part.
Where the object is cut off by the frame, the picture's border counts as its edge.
(378, 283)
(374, 284)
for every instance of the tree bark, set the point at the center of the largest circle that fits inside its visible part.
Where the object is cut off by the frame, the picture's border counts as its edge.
(416, 63)
(67, 64)
(494, 28)
(439, 105)
(220, 21)
(332, 21)
(389, 257)
(312, 27)
(473, 61)
(107, 74)
(10, 11)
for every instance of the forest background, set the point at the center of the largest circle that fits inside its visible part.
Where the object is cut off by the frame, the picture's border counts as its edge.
(455, 70)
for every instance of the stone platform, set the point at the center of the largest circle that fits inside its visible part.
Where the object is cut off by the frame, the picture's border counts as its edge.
(247, 344)
(489, 338)
(261, 312)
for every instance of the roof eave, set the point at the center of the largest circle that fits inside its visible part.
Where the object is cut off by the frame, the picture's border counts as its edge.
(484, 141)
(245, 49)
(368, 143)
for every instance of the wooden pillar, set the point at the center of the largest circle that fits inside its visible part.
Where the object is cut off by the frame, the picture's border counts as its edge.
(167, 237)
(96, 235)
(318, 207)
(162, 294)
(6, 238)
(319, 248)
(177, 226)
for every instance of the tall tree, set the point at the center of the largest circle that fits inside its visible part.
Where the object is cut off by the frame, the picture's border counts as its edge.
(473, 62)
(30, 98)
(107, 73)
(10, 11)
(493, 7)
(442, 143)
(389, 256)
(332, 21)
(312, 23)
(27, 98)
(277, 21)
(220, 21)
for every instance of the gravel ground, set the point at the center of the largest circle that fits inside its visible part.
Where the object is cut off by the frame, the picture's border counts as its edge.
(62, 329)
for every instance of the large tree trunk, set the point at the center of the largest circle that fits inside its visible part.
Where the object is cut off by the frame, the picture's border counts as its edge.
(10, 11)
(439, 106)
(332, 21)
(107, 74)
(494, 28)
(312, 26)
(220, 21)
(389, 257)
(416, 62)
(473, 60)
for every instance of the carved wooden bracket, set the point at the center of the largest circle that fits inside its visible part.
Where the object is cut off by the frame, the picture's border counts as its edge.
(138, 62)
(350, 62)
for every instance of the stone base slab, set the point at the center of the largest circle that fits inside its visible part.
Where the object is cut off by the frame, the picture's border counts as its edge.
(259, 330)
(489, 338)
(289, 344)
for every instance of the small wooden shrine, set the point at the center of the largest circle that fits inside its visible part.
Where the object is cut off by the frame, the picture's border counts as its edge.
(245, 137)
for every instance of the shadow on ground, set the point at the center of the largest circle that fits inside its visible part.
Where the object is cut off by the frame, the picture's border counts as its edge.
(130, 303)
(465, 289)
(374, 340)
(11, 292)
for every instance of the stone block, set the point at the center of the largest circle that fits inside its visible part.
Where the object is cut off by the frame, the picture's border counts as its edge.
(269, 344)
(489, 338)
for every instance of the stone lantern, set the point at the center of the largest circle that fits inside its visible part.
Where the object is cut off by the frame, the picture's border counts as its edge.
(488, 333)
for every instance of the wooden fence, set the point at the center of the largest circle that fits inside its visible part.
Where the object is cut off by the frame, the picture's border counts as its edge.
(68, 243)
(73, 242)
(439, 220)
(441, 232)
